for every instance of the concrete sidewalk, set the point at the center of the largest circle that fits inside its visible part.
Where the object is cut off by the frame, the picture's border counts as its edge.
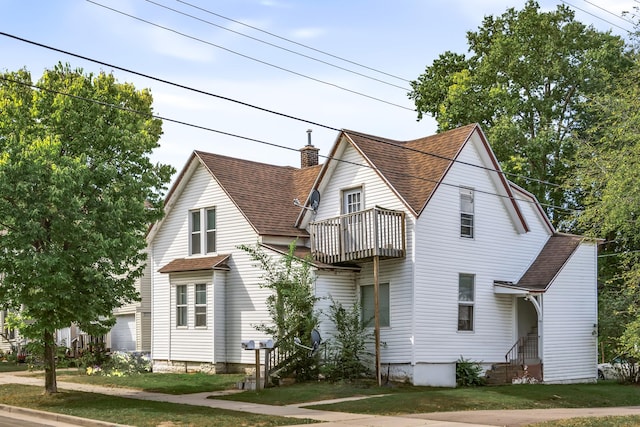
(330, 419)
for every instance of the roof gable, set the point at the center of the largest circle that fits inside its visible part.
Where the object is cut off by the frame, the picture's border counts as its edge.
(264, 193)
(413, 169)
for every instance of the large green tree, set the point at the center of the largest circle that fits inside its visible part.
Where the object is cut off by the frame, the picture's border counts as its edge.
(607, 170)
(77, 194)
(526, 80)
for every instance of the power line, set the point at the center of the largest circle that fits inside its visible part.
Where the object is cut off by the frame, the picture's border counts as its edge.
(275, 45)
(610, 13)
(245, 104)
(292, 41)
(208, 129)
(595, 16)
(251, 58)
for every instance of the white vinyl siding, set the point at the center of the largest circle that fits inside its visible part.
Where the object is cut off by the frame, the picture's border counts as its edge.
(497, 252)
(397, 272)
(570, 329)
(238, 299)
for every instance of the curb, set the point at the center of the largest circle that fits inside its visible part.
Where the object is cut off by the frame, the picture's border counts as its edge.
(52, 416)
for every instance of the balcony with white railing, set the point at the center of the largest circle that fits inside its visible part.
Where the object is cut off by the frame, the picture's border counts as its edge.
(359, 236)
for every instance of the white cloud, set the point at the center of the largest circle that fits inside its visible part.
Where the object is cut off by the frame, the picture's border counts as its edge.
(308, 33)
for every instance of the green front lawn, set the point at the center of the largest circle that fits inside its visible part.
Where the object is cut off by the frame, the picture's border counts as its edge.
(135, 412)
(405, 399)
(159, 383)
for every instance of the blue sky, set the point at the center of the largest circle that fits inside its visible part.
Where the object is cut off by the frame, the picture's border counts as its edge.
(399, 38)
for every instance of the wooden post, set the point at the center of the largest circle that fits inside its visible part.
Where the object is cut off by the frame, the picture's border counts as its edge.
(376, 309)
(257, 369)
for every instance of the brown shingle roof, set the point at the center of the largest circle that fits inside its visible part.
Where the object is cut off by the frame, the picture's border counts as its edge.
(196, 264)
(264, 193)
(549, 262)
(404, 164)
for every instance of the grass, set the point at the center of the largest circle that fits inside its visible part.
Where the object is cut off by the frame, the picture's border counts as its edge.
(13, 367)
(405, 399)
(622, 421)
(159, 383)
(140, 413)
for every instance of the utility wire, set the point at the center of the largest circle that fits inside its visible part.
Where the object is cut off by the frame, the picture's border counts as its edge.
(275, 45)
(250, 57)
(596, 16)
(610, 13)
(208, 129)
(292, 41)
(245, 104)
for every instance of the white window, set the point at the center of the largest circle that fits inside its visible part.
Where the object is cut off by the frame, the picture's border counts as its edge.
(466, 301)
(202, 231)
(201, 305)
(352, 200)
(466, 212)
(195, 236)
(367, 308)
(181, 305)
(211, 230)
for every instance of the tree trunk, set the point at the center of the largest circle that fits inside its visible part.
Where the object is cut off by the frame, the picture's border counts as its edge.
(50, 384)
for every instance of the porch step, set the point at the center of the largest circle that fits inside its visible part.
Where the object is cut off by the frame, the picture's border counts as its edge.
(503, 373)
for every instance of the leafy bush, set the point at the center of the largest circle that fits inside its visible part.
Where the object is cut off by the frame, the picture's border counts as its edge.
(122, 364)
(468, 373)
(347, 354)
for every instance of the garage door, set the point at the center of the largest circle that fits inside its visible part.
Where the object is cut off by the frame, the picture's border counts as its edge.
(123, 334)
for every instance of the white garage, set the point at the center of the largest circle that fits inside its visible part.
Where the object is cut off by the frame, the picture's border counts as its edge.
(123, 333)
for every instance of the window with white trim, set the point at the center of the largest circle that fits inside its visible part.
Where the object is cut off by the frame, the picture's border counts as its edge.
(201, 305)
(367, 307)
(466, 301)
(352, 200)
(181, 305)
(466, 212)
(202, 231)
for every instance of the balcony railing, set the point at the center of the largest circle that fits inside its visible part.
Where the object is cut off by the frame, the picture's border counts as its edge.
(359, 236)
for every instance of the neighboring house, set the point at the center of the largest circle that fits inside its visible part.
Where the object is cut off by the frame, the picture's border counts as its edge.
(467, 264)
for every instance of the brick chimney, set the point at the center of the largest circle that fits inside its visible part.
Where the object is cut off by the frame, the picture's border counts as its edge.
(308, 153)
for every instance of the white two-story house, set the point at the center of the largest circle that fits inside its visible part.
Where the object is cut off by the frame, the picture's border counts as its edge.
(464, 263)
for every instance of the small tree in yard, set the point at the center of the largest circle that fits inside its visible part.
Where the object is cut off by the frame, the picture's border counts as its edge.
(348, 357)
(291, 306)
(77, 195)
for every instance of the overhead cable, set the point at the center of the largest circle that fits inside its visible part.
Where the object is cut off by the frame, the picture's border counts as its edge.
(275, 45)
(246, 104)
(252, 58)
(292, 41)
(209, 129)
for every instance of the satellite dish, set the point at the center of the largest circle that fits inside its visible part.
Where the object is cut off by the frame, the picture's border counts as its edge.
(314, 200)
(315, 339)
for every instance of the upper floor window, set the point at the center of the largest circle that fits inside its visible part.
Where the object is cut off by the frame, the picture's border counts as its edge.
(367, 306)
(181, 305)
(466, 301)
(201, 305)
(352, 200)
(202, 231)
(466, 212)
